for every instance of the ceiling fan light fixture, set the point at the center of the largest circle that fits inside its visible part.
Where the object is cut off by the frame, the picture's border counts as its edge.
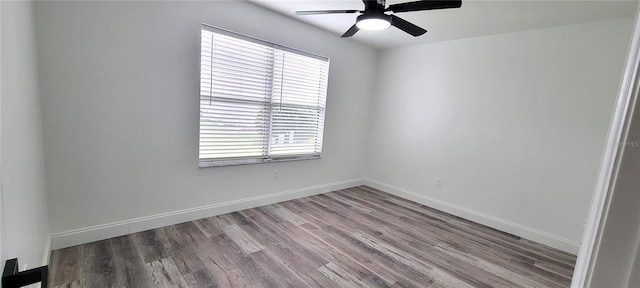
(373, 22)
(378, 16)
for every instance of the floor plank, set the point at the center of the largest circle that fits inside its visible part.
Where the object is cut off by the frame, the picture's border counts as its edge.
(356, 237)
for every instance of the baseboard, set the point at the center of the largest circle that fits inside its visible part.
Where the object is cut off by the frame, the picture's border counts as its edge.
(110, 230)
(106, 231)
(484, 219)
(47, 252)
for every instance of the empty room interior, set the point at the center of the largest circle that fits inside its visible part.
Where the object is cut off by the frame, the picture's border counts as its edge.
(265, 143)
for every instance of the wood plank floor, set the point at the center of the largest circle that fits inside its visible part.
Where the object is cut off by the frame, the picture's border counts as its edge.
(357, 237)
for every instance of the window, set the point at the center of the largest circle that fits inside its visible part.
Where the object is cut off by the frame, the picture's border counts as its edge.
(259, 102)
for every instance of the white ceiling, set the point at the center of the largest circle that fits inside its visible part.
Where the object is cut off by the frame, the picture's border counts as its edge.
(475, 18)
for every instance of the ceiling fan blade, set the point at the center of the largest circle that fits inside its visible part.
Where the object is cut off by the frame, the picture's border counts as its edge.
(351, 31)
(326, 12)
(405, 26)
(424, 5)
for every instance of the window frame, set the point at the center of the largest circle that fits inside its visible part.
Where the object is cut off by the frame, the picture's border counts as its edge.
(269, 157)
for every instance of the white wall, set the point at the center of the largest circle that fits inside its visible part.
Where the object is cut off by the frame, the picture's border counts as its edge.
(514, 124)
(24, 204)
(618, 249)
(3, 250)
(119, 86)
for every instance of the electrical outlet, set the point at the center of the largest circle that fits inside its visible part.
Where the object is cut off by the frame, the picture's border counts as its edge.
(439, 183)
(276, 174)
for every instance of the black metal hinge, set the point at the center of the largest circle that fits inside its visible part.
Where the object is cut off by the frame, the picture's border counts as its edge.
(11, 278)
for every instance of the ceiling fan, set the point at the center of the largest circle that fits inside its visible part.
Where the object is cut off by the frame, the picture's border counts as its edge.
(376, 17)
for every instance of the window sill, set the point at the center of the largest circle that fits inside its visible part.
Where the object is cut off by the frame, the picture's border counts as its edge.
(208, 163)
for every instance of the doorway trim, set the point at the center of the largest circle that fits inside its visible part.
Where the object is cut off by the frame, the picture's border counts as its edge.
(610, 163)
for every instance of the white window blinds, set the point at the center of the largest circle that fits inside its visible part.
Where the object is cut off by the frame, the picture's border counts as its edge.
(259, 101)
